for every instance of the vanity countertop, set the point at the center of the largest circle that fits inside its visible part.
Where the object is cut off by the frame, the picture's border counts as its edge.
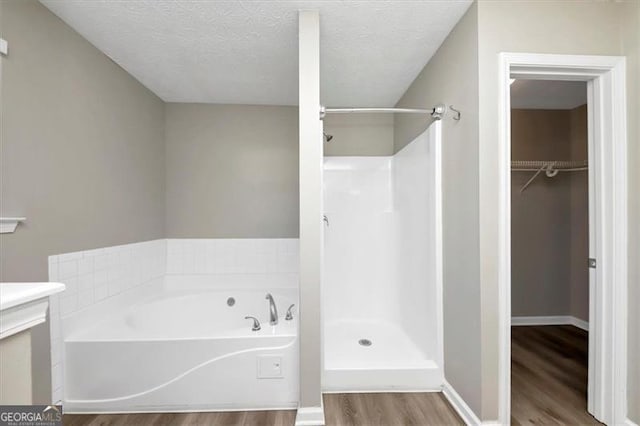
(14, 294)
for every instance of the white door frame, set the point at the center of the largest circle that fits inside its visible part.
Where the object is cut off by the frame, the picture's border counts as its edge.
(606, 86)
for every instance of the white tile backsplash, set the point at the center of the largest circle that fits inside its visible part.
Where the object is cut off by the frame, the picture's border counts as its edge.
(232, 256)
(57, 396)
(86, 297)
(100, 292)
(56, 376)
(54, 323)
(85, 265)
(86, 281)
(100, 273)
(99, 261)
(71, 284)
(68, 303)
(67, 269)
(56, 346)
(53, 269)
(92, 276)
(100, 277)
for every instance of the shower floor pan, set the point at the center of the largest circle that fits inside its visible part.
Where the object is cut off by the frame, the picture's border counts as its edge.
(391, 362)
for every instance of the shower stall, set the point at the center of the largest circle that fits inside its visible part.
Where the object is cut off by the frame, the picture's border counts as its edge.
(382, 273)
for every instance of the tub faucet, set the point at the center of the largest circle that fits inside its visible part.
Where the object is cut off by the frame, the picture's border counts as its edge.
(256, 323)
(273, 311)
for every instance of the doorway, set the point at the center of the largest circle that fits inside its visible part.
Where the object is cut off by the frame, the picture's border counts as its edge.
(605, 84)
(549, 252)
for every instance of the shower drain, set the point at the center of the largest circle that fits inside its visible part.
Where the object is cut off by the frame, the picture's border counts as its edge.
(364, 342)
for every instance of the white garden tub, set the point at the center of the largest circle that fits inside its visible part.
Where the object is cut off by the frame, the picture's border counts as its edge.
(181, 350)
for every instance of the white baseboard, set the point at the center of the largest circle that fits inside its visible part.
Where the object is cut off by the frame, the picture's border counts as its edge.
(310, 416)
(461, 407)
(630, 423)
(551, 320)
(368, 390)
(577, 322)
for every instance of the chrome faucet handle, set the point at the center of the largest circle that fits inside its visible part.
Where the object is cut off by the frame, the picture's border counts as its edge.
(289, 316)
(256, 323)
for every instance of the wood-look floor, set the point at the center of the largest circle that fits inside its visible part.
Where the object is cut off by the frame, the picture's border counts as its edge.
(549, 370)
(389, 409)
(231, 418)
(354, 409)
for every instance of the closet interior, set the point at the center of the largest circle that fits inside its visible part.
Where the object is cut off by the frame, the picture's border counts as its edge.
(550, 249)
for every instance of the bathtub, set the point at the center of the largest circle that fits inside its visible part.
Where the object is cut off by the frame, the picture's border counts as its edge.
(181, 348)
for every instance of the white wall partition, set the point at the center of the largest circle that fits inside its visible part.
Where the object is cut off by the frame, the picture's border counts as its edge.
(382, 288)
(310, 410)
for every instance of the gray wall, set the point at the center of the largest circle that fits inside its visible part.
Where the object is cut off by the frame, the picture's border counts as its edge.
(549, 242)
(591, 28)
(231, 171)
(359, 134)
(82, 153)
(452, 77)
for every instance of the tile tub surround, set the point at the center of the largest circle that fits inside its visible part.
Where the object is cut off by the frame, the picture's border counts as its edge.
(95, 277)
(232, 256)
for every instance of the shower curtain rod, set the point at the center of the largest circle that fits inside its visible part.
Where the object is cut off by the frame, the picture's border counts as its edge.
(436, 112)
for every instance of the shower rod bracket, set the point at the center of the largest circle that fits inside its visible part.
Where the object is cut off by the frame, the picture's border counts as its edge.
(437, 112)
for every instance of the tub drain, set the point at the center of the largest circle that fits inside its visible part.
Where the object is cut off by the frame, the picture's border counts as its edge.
(364, 342)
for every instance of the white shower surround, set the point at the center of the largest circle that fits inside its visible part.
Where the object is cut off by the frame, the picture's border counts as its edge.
(383, 273)
(139, 301)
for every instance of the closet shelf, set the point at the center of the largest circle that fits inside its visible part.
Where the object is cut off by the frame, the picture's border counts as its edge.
(550, 167)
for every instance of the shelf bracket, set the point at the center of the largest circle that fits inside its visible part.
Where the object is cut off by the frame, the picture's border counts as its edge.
(532, 178)
(8, 224)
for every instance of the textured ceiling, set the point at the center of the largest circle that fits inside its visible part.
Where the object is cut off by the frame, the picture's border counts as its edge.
(245, 52)
(548, 94)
